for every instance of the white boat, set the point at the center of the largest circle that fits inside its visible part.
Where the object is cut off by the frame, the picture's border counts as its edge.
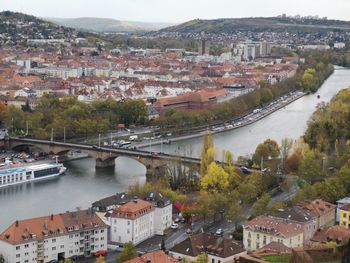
(19, 174)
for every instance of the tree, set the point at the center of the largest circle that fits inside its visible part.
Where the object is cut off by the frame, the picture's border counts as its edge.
(261, 205)
(206, 153)
(202, 258)
(309, 80)
(3, 112)
(346, 256)
(264, 151)
(100, 259)
(247, 192)
(2, 260)
(129, 252)
(235, 210)
(162, 245)
(216, 180)
(310, 169)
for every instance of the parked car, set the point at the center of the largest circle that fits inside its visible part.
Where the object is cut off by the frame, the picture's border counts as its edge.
(100, 253)
(174, 226)
(219, 232)
(189, 231)
(155, 154)
(177, 220)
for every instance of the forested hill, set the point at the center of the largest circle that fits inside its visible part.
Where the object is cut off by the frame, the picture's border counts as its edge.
(16, 28)
(258, 24)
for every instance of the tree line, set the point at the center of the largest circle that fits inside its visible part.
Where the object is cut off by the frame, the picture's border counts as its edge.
(75, 117)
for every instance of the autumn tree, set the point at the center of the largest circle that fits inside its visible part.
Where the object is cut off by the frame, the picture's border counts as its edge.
(310, 169)
(215, 180)
(3, 113)
(268, 149)
(207, 153)
(129, 252)
(100, 259)
(202, 258)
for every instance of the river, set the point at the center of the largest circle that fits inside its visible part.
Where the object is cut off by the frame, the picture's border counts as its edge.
(83, 184)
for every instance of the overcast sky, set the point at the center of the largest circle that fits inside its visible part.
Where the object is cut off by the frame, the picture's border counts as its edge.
(176, 11)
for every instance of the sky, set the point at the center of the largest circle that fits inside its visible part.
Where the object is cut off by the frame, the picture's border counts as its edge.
(177, 11)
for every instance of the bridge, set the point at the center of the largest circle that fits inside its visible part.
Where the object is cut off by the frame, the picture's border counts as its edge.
(105, 156)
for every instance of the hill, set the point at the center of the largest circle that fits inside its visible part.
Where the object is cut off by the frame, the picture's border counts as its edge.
(16, 28)
(92, 24)
(258, 24)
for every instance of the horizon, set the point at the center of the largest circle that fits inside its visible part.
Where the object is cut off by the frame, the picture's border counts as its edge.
(168, 12)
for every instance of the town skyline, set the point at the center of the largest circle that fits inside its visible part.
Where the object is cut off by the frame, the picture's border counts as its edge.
(166, 12)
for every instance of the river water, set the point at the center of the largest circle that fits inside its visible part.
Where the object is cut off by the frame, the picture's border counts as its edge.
(83, 184)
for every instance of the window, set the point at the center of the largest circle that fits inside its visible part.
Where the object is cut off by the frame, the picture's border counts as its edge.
(54, 240)
(62, 246)
(257, 245)
(102, 231)
(18, 255)
(26, 254)
(128, 223)
(102, 238)
(18, 247)
(53, 248)
(26, 245)
(212, 260)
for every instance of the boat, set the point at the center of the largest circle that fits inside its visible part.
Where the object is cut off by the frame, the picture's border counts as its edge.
(21, 173)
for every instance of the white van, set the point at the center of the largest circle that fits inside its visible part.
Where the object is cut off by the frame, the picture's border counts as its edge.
(133, 138)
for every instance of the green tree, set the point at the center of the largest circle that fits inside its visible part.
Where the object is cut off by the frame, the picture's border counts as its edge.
(234, 212)
(267, 149)
(247, 192)
(129, 252)
(261, 205)
(309, 80)
(310, 169)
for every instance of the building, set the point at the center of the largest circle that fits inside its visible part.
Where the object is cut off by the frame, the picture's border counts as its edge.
(344, 216)
(325, 211)
(306, 218)
(339, 45)
(218, 249)
(53, 237)
(341, 203)
(199, 100)
(265, 49)
(163, 212)
(154, 257)
(263, 230)
(204, 47)
(162, 205)
(132, 222)
(336, 234)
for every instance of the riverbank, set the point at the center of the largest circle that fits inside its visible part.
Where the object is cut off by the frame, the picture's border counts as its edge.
(248, 119)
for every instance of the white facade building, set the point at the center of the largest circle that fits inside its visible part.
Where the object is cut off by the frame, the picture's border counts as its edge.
(132, 222)
(54, 237)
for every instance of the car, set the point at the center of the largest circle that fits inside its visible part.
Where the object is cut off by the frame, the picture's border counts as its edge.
(183, 220)
(100, 253)
(174, 226)
(188, 231)
(155, 154)
(219, 232)
(177, 220)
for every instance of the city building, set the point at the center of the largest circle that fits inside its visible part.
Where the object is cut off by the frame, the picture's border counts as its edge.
(132, 222)
(199, 100)
(163, 212)
(154, 257)
(162, 205)
(218, 249)
(336, 234)
(53, 237)
(263, 230)
(344, 216)
(306, 218)
(204, 47)
(325, 211)
(341, 203)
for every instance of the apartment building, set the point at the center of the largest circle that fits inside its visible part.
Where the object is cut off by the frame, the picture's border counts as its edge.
(163, 212)
(263, 230)
(326, 212)
(132, 222)
(53, 237)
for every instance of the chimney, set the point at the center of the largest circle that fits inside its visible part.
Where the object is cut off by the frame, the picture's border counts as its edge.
(51, 217)
(17, 223)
